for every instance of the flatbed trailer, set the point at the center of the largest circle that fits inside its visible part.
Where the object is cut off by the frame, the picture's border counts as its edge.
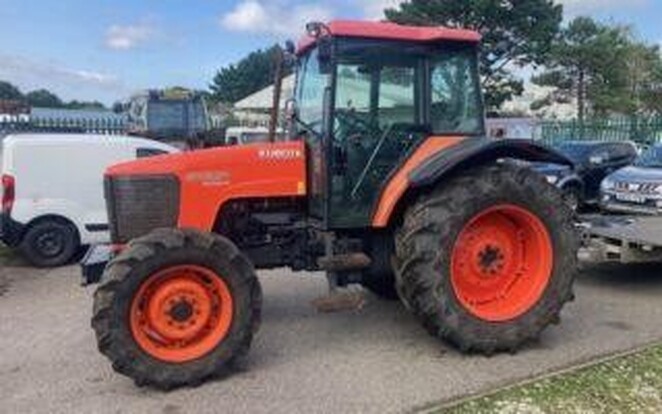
(621, 239)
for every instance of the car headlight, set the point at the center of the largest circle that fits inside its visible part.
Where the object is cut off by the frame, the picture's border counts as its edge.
(552, 179)
(608, 184)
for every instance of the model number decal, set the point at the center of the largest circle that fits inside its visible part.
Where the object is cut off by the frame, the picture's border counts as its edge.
(279, 154)
(209, 178)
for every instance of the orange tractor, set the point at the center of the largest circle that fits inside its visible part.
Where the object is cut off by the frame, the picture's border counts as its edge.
(387, 181)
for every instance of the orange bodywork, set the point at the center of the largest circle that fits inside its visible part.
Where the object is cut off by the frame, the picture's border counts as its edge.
(400, 181)
(210, 178)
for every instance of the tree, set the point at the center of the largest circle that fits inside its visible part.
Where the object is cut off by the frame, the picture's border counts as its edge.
(10, 92)
(85, 105)
(516, 33)
(644, 67)
(249, 75)
(601, 67)
(43, 98)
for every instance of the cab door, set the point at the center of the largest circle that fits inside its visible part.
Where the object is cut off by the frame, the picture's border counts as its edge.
(376, 122)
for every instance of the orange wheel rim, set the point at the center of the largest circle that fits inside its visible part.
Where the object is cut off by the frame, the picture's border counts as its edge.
(501, 263)
(181, 313)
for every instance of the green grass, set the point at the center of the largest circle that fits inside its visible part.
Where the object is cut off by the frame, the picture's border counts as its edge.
(629, 384)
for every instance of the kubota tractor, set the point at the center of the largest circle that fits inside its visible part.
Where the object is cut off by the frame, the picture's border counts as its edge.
(386, 181)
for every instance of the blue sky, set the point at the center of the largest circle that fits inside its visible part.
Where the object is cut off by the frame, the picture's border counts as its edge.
(107, 49)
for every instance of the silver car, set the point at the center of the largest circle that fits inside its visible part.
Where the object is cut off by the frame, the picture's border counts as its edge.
(636, 189)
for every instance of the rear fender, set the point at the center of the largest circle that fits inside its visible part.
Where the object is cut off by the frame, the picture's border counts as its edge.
(465, 153)
(481, 151)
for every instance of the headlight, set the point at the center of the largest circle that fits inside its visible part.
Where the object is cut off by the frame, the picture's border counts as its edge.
(607, 184)
(552, 179)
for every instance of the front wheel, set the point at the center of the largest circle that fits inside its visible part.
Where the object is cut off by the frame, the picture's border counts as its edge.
(176, 307)
(487, 259)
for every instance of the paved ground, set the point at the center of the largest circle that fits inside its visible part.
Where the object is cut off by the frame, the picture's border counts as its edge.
(377, 360)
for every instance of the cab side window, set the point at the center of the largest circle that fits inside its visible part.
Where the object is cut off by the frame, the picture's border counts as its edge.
(149, 152)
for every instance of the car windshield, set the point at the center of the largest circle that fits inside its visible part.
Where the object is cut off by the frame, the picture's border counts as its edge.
(651, 158)
(177, 115)
(578, 153)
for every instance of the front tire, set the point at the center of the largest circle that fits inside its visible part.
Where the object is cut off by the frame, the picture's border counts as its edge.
(177, 307)
(487, 260)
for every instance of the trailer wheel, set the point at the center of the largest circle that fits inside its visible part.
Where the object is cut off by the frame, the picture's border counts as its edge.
(50, 243)
(487, 259)
(176, 308)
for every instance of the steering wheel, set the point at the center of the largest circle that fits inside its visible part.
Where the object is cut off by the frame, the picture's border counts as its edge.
(351, 124)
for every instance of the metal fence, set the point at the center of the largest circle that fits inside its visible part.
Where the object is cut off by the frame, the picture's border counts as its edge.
(642, 130)
(106, 126)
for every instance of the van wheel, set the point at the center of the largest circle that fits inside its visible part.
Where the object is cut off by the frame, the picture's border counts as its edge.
(50, 243)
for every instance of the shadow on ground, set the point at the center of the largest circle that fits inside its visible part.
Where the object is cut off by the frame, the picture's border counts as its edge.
(619, 276)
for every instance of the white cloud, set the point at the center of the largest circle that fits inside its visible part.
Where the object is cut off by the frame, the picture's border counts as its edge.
(273, 17)
(125, 37)
(69, 83)
(374, 9)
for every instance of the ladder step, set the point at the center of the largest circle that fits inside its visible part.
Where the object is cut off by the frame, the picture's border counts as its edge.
(342, 262)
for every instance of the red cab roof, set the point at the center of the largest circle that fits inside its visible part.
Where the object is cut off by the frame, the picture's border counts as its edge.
(393, 31)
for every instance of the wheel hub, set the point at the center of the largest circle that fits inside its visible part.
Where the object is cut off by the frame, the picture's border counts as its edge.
(181, 313)
(501, 263)
(49, 243)
(491, 259)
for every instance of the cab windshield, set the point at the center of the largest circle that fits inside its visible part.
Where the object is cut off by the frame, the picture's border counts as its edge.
(435, 88)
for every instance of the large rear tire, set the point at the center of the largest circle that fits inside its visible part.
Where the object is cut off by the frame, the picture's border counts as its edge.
(487, 259)
(176, 307)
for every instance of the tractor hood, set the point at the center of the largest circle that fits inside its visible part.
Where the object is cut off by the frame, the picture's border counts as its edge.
(207, 179)
(226, 160)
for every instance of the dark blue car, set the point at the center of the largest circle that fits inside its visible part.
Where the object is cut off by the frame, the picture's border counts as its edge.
(593, 161)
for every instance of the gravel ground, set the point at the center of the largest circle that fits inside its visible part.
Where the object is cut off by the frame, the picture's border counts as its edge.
(377, 360)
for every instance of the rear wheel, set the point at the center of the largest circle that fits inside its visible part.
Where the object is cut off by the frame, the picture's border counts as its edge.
(487, 260)
(176, 307)
(50, 243)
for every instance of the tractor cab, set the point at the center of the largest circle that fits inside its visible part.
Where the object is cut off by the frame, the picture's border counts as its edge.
(367, 94)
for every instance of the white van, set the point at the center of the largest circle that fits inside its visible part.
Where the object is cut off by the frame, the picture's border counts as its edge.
(52, 190)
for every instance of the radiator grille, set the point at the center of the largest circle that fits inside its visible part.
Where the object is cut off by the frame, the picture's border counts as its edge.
(139, 204)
